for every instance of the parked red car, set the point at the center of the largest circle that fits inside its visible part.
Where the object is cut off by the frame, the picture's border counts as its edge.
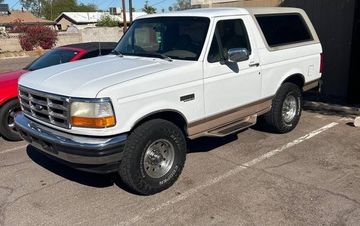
(9, 104)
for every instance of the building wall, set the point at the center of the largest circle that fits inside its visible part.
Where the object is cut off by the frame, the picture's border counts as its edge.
(334, 23)
(354, 83)
(64, 23)
(103, 34)
(65, 38)
(9, 44)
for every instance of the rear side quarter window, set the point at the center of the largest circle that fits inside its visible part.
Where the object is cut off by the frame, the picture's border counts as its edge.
(284, 29)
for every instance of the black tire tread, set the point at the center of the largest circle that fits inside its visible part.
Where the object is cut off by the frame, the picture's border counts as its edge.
(136, 183)
(273, 117)
(4, 130)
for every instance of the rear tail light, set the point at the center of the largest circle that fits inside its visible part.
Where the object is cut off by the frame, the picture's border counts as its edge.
(321, 62)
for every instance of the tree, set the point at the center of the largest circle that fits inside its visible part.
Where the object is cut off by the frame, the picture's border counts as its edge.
(34, 36)
(50, 9)
(53, 8)
(182, 5)
(148, 8)
(86, 7)
(107, 21)
(170, 8)
(1, 1)
(33, 5)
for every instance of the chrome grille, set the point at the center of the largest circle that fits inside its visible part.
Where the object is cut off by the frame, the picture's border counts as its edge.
(50, 108)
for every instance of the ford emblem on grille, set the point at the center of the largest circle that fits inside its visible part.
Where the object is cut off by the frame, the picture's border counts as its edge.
(38, 107)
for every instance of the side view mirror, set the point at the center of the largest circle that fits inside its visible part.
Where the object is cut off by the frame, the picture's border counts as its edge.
(238, 54)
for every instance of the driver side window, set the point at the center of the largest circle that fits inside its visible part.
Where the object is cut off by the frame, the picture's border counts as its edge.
(232, 34)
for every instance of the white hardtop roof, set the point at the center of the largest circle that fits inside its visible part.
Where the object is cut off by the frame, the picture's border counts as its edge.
(229, 11)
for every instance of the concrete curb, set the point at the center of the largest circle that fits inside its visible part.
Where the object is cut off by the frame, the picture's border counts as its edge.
(335, 108)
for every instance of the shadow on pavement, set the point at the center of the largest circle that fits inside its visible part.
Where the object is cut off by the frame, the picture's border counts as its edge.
(329, 106)
(85, 178)
(206, 144)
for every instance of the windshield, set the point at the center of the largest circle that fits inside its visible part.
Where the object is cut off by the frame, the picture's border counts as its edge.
(53, 57)
(174, 37)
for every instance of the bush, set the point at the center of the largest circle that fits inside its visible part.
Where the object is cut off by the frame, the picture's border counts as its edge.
(107, 21)
(34, 36)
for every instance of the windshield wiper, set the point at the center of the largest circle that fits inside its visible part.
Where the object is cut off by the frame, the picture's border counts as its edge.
(117, 53)
(161, 56)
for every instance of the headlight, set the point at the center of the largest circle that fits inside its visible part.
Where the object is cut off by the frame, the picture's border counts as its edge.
(92, 114)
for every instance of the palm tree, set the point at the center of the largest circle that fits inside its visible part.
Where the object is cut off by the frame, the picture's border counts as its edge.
(148, 8)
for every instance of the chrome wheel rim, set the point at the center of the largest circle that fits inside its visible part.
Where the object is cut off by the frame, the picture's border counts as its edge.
(159, 158)
(289, 108)
(11, 118)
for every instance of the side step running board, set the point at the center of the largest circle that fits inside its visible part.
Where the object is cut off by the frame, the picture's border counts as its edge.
(233, 127)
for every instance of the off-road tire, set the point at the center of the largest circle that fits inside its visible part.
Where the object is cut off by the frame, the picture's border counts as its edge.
(5, 130)
(275, 118)
(132, 170)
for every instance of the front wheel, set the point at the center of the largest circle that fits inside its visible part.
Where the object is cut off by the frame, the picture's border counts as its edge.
(154, 157)
(286, 108)
(7, 122)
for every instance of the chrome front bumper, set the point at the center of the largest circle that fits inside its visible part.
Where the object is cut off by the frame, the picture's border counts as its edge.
(71, 148)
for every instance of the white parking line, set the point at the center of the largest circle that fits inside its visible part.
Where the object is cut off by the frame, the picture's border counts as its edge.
(228, 174)
(13, 149)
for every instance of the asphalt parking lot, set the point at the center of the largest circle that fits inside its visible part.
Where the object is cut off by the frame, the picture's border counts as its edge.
(310, 176)
(15, 63)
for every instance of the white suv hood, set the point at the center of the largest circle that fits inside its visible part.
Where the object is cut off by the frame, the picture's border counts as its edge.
(86, 78)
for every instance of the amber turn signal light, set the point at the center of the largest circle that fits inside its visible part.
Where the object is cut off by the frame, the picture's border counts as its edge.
(93, 122)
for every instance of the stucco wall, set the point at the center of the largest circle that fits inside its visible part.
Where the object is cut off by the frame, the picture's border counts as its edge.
(9, 44)
(103, 34)
(68, 38)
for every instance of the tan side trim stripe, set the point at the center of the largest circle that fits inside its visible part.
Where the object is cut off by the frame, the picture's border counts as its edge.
(311, 85)
(228, 117)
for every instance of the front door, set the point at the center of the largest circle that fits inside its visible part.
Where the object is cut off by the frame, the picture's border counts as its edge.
(228, 86)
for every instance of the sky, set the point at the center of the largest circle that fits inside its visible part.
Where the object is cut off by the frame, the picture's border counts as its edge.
(105, 4)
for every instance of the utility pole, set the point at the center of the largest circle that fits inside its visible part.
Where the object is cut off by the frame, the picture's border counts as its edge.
(124, 15)
(130, 11)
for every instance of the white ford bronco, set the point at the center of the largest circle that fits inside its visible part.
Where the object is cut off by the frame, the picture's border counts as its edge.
(173, 76)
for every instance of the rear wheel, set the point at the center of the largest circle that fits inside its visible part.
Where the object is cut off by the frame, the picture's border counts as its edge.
(7, 122)
(154, 157)
(286, 108)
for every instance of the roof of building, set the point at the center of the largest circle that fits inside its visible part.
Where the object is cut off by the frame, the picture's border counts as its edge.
(228, 11)
(84, 17)
(93, 17)
(25, 17)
